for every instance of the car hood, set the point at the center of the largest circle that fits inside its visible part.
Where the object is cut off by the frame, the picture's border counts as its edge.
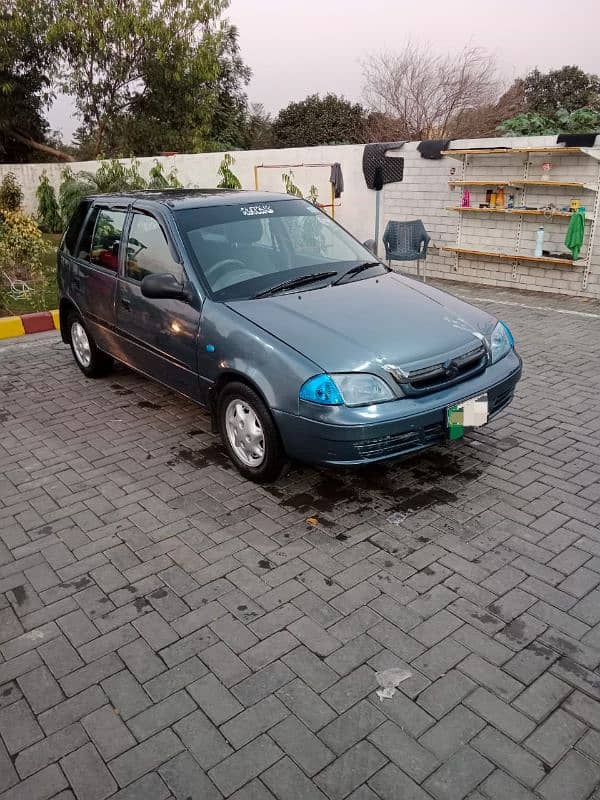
(364, 324)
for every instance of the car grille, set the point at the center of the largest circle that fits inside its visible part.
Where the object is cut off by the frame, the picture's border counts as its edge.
(444, 374)
(400, 443)
(500, 401)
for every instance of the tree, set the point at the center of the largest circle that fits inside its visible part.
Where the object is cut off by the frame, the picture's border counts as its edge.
(315, 121)
(382, 127)
(258, 128)
(26, 58)
(568, 87)
(149, 76)
(48, 213)
(426, 92)
(581, 120)
(484, 120)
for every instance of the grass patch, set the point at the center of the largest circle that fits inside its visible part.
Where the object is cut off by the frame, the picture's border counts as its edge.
(45, 294)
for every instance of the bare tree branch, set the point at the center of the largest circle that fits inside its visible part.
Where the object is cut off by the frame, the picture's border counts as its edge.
(426, 92)
(43, 148)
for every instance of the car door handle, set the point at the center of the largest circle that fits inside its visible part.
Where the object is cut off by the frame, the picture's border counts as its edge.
(125, 303)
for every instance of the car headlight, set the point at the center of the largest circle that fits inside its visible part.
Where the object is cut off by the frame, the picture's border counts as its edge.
(501, 341)
(350, 389)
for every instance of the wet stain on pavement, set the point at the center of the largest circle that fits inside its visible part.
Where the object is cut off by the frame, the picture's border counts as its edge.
(149, 404)
(213, 455)
(120, 390)
(20, 595)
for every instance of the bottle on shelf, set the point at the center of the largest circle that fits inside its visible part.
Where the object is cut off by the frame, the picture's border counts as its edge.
(500, 197)
(511, 201)
(539, 242)
(465, 200)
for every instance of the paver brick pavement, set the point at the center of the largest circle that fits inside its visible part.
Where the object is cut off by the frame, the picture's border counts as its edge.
(168, 630)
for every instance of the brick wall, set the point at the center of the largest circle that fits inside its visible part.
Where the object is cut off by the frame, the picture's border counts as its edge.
(424, 193)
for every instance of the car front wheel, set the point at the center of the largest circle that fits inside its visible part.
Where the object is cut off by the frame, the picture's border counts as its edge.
(91, 361)
(249, 434)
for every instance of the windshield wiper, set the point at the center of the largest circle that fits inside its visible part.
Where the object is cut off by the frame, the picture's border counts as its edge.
(358, 268)
(293, 283)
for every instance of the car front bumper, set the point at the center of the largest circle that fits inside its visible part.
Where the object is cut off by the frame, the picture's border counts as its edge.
(388, 431)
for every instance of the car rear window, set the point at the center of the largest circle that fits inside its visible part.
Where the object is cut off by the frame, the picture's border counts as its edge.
(71, 236)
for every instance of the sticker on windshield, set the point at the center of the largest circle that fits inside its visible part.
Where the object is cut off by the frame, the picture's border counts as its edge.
(257, 211)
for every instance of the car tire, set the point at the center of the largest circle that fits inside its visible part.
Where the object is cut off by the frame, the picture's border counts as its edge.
(249, 434)
(90, 360)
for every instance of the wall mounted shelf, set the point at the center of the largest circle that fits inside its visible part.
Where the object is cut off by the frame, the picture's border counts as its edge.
(516, 212)
(594, 152)
(468, 251)
(525, 216)
(516, 182)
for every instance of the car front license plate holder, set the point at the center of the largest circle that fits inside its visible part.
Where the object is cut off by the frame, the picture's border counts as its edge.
(472, 413)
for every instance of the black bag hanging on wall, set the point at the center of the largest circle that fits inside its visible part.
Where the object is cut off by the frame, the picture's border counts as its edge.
(374, 156)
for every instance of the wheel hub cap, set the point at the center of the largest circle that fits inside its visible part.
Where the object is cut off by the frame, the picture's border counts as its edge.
(245, 433)
(81, 344)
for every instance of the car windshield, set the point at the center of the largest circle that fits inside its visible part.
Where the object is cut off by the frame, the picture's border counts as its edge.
(248, 249)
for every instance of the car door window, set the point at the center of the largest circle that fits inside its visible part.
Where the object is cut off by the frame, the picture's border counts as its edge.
(148, 252)
(107, 239)
(85, 242)
(69, 242)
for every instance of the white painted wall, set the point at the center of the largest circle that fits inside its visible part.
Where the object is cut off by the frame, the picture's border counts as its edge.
(356, 209)
(424, 193)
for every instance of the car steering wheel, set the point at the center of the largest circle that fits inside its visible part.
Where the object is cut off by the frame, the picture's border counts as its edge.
(244, 274)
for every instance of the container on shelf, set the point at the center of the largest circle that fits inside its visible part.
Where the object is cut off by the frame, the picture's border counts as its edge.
(539, 242)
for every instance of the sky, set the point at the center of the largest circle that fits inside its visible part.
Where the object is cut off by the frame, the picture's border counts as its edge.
(299, 47)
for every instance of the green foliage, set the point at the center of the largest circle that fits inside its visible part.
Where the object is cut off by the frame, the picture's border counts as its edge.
(115, 176)
(152, 76)
(48, 213)
(22, 249)
(228, 180)
(581, 120)
(74, 186)
(11, 194)
(257, 129)
(317, 121)
(565, 100)
(26, 59)
(110, 177)
(313, 195)
(290, 186)
(568, 88)
(158, 179)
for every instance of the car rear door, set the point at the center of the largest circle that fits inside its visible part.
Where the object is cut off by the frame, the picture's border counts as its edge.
(158, 337)
(94, 271)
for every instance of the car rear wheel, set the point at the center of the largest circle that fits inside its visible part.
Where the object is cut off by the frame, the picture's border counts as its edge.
(91, 361)
(249, 434)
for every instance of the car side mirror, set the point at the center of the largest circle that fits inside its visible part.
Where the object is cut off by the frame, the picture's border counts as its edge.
(164, 286)
(370, 245)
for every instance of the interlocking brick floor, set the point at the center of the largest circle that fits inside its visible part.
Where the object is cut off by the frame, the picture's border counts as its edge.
(169, 630)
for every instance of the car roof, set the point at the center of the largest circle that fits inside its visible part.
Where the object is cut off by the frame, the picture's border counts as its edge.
(193, 198)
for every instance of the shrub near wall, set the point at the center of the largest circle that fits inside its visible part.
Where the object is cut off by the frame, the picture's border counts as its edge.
(22, 253)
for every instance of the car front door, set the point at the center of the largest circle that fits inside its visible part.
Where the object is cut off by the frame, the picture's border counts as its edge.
(157, 337)
(94, 271)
